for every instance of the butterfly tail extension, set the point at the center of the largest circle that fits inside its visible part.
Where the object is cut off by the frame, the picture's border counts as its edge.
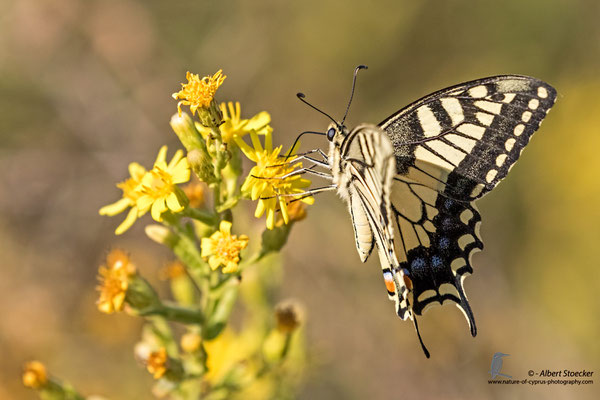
(465, 307)
(420, 339)
(403, 308)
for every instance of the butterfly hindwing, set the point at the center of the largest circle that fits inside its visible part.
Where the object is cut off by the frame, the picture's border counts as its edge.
(436, 238)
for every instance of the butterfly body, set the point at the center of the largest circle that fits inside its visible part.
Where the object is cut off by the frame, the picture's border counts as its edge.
(363, 166)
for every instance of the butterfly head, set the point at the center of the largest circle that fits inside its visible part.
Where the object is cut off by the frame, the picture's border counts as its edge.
(336, 133)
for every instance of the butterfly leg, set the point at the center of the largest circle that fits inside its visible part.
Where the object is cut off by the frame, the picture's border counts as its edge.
(317, 151)
(300, 171)
(300, 158)
(307, 193)
(305, 156)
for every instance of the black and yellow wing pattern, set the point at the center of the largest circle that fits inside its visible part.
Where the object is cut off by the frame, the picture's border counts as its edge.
(452, 147)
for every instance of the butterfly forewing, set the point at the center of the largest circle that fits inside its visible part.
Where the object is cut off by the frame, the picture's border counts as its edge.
(475, 131)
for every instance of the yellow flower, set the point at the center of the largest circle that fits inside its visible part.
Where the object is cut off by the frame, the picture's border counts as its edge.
(265, 181)
(156, 363)
(234, 126)
(114, 281)
(131, 194)
(159, 192)
(35, 375)
(227, 351)
(223, 248)
(194, 191)
(172, 270)
(198, 92)
(190, 342)
(296, 211)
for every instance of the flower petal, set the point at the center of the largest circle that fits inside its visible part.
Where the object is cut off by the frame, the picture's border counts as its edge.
(181, 171)
(214, 262)
(230, 268)
(225, 227)
(162, 155)
(256, 142)
(144, 203)
(178, 156)
(308, 200)
(206, 247)
(136, 171)
(259, 121)
(269, 141)
(246, 149)
(128, 222)
(158, 207)
(260, 209)
(173, 203)
(115, 208)
(270, 218)
(284, 211)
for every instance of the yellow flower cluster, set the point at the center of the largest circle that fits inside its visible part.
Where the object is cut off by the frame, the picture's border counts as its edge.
(155, 190)
(234, 126)
(270, 182)
(197, 92)
(223, 249)
(211, 359)
(114, 281)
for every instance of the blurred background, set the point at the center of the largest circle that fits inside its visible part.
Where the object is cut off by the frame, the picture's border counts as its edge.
(85, 88)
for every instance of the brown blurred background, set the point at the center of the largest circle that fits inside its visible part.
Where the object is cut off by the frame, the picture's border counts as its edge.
(85, 89)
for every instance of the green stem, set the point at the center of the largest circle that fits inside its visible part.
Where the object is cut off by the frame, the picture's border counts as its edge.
(176, 313)
(218, 165)
(161, 329)
(206, 217)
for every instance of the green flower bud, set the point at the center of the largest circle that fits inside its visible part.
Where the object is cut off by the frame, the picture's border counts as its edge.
(186, 131)
(201, 163)
(141, 296)
(212, 116)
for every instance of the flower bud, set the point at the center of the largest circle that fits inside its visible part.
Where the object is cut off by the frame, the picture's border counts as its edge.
(35, 375)
(141, 296)
(186, 131)
(201, 163)
(212, 116)
(288, 315)
(160, 234)
(190, 342)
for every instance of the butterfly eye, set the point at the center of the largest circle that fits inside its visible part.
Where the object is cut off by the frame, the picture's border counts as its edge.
(330, 134)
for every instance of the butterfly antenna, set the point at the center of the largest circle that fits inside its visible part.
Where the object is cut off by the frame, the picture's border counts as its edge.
(352, 92)
(301, 96)
(419, 336)
(298, 138)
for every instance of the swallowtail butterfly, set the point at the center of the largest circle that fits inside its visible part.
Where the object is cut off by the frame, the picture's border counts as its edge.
(410, 181)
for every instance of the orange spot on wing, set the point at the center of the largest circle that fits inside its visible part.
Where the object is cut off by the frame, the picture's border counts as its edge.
(389, 285)
(408, 282)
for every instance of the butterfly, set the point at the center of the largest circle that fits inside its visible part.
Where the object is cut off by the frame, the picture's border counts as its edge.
(410, 182)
